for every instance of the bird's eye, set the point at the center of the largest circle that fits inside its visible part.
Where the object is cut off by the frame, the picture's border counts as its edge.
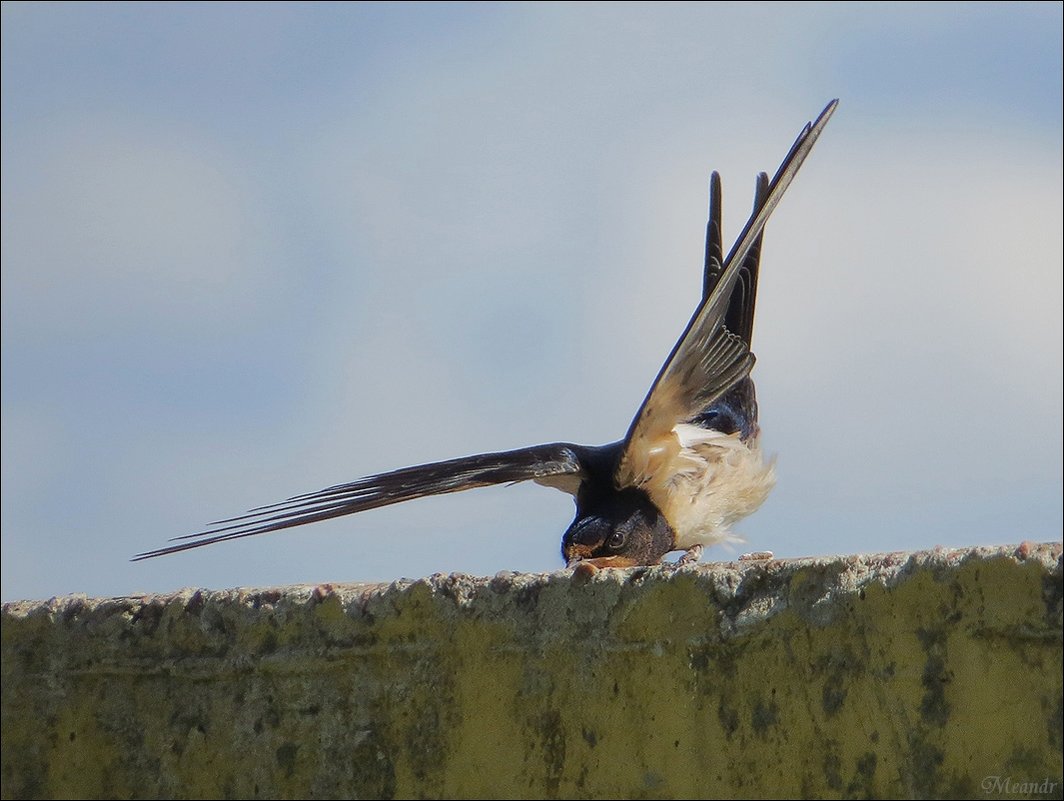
(615, 541)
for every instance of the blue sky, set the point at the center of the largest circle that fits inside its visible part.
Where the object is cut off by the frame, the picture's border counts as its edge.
(254, 250)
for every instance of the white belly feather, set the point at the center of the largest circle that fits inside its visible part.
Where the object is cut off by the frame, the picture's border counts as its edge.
(711, 481)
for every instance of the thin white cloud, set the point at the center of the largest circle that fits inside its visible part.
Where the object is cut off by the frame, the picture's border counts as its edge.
(118, 221)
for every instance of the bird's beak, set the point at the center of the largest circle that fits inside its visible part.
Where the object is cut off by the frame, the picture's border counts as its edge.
(604, 561)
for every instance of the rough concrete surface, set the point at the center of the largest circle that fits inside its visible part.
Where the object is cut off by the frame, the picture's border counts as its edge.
(931, 674)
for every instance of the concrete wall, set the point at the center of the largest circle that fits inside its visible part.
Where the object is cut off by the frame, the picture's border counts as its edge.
(935, 674)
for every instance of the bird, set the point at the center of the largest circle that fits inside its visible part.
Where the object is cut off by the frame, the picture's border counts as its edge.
(689, 466)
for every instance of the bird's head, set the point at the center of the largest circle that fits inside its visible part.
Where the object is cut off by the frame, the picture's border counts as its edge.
(622, 529)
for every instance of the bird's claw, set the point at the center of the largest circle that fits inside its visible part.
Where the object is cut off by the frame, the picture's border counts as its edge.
(693, 554)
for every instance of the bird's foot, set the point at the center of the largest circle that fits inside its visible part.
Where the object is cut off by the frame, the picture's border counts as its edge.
(693, 554)
(755, 556)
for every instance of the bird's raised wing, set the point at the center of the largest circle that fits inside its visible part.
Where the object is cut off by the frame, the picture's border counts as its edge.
(708, 359)
(559, 465)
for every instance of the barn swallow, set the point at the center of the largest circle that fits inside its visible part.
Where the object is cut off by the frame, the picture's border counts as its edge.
(689, 466)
